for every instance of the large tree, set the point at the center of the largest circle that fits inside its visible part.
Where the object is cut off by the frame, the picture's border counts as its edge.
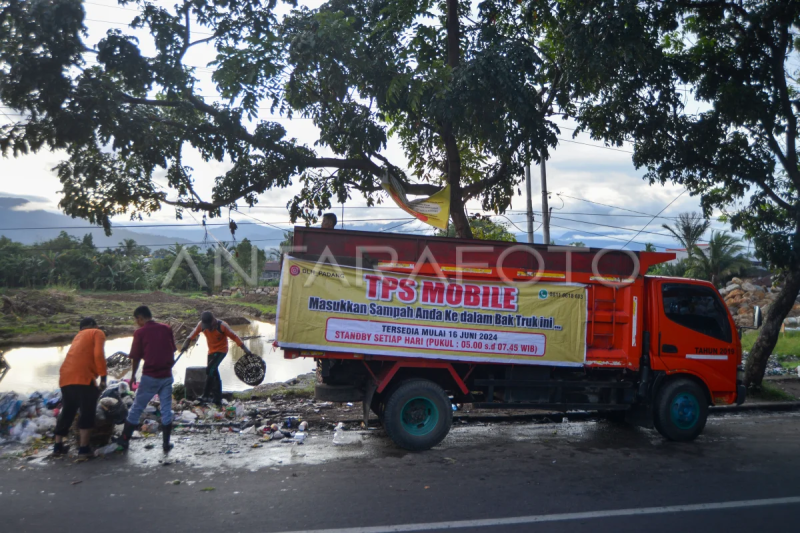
(468, 92)
(713, 107)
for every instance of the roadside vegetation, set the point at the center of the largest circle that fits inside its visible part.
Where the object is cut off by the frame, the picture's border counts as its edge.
(67, 262)
(769, 392)
(43, 315)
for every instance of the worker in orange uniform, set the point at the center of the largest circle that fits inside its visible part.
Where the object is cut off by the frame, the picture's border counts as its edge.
(85, 362)
(217, 334)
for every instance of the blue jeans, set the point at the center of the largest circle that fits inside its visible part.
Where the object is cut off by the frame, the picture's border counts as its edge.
(149, 387)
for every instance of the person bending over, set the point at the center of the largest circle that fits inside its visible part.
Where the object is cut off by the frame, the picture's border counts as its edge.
(85, 362)
(217, 334)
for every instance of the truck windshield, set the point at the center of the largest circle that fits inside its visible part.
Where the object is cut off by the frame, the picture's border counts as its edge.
(696, 308)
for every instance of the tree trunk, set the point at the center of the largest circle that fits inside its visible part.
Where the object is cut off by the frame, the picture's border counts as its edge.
(757, 361)
(457, 211)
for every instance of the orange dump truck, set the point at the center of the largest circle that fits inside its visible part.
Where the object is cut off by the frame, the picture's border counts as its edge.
(410, 325)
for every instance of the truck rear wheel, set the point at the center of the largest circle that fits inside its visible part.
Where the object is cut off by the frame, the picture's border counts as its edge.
(417, 414)
(681, 410)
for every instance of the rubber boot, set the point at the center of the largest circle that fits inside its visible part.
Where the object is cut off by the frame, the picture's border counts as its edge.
(124, 439)
(166, 433)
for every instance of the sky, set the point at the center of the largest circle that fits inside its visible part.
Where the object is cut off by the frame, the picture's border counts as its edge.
(580, 169)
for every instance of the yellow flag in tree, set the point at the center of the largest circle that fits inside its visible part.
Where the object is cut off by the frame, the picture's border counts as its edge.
(434, 210)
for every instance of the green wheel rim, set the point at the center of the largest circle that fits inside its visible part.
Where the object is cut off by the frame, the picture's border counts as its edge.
(685, 410)
(419, 416)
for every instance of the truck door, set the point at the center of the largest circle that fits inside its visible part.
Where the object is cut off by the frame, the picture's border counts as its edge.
(697, 336)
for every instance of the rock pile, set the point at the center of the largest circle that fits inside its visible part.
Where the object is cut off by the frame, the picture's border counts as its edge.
(262, 291)
(741, 296)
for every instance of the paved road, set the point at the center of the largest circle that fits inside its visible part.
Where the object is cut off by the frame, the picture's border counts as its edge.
(605, 473)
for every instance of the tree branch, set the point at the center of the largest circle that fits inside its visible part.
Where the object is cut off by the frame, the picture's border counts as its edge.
(779, 78)
(772, 194)
(148, 102)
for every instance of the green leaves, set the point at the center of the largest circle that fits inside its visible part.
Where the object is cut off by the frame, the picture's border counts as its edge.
(126, 110)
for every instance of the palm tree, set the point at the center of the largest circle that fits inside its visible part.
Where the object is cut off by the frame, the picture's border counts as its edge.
(128, 247)
(649, 247)
(688, 229)
(721, 258)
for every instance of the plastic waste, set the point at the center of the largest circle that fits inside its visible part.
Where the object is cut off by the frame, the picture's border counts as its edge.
(150, 426)
(300, 437)
(340, 438)
(13, 410)
(303, 426)
(25, 431)
(45, 423)
(249, 431)
(187, 417)
(239, 409)
(108, 448)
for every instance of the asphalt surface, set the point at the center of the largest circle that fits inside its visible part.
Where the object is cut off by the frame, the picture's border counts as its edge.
(545, 473)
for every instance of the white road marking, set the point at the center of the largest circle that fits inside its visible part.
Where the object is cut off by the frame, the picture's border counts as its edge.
(708, 357)
(513, 521)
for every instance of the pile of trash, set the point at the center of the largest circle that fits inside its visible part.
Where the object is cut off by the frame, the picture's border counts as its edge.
(774, 366)
(26, 418)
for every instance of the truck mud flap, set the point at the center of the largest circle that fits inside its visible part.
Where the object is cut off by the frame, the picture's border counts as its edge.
(338, 393)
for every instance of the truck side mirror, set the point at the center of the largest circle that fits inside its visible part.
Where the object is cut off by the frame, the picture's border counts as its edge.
(758, 317)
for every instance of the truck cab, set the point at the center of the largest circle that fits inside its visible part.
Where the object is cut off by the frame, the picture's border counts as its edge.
(695, 341)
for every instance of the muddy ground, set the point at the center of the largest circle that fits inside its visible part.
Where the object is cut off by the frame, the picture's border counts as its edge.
(52, 316)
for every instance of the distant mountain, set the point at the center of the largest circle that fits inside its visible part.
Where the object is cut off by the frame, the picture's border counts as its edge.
(600, 239)
(14, 224)
(20, 225)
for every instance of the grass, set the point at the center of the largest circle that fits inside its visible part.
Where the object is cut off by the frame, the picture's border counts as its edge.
(77, 305)
(787, 349)
(771, 393)
(264, 308)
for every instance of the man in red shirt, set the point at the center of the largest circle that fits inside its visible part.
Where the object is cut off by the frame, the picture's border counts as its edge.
(154, 344)
(217, 334)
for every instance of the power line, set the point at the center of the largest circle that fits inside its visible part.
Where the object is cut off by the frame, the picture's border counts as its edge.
(595, 146)
(607, 236)
(612, 206)
(654, 216)
(128, 25)
(624, 228)
(80, 247)
(258, 223)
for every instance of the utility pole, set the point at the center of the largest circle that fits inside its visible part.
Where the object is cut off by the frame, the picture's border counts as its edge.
(530, 202)
(545, 208)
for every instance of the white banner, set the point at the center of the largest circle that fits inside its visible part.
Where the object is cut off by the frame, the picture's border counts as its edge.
(444, 339)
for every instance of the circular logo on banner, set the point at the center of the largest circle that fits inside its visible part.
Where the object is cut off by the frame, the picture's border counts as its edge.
(543, 294)
(294, 270)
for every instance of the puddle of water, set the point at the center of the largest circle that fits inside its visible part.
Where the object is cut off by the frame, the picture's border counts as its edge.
(36, 368)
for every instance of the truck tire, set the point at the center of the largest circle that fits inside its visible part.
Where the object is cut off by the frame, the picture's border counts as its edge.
(417, 414)
(681, 410)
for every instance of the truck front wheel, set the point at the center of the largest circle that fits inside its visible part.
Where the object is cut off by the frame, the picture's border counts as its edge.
(681, 410)
(417, 415)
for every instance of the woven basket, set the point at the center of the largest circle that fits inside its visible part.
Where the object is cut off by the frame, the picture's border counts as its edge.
(251, 369)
